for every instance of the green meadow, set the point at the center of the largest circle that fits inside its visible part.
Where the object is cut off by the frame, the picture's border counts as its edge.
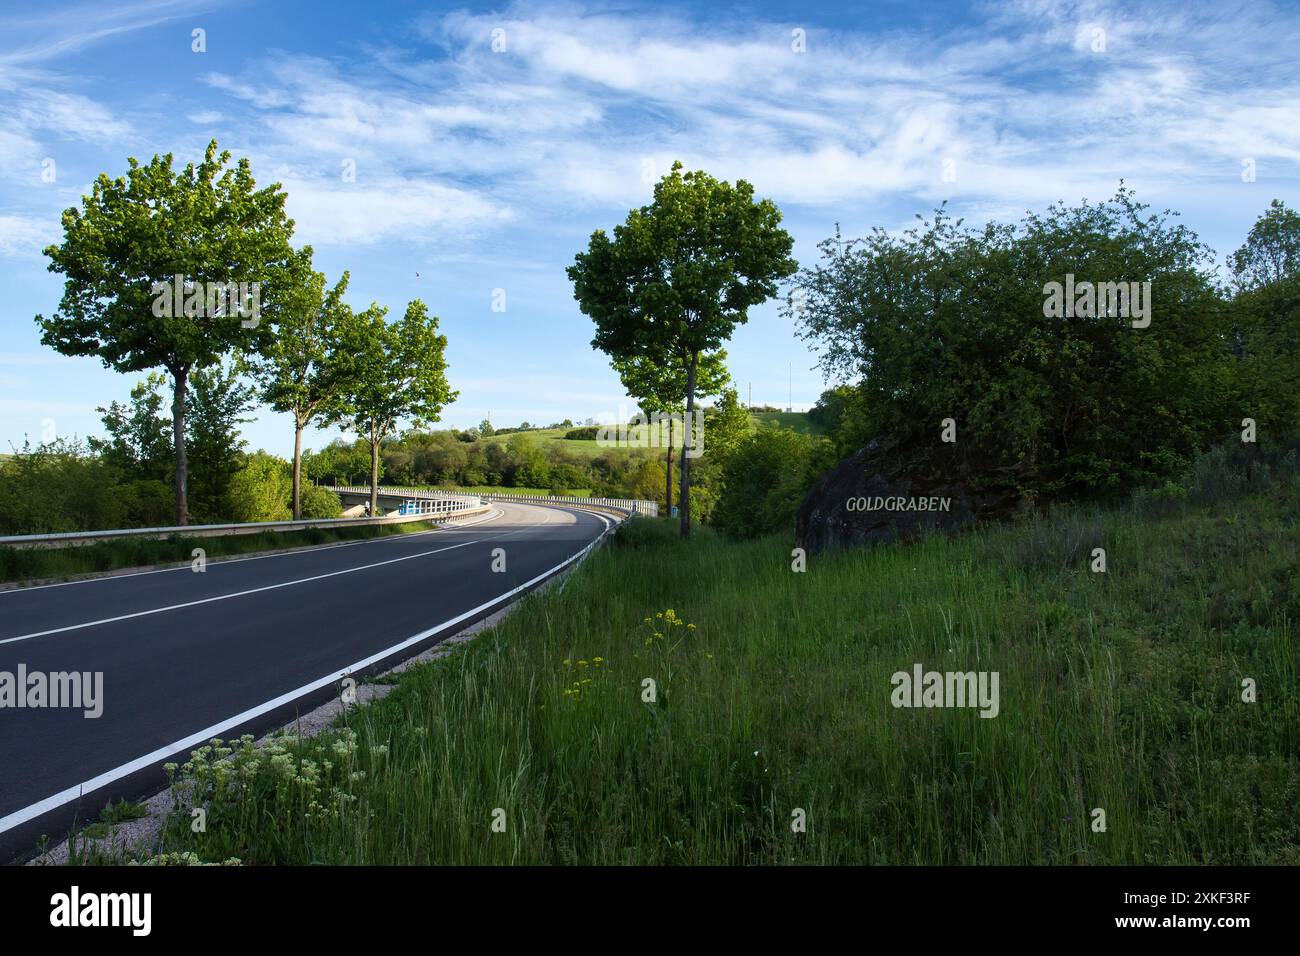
(1125, 731)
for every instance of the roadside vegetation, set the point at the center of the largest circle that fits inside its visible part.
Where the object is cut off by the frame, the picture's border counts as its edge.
(1120, 691)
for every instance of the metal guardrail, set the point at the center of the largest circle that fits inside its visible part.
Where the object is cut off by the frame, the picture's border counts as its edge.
(631, 505)
(418, 504)
(457, 506)
(637, 506)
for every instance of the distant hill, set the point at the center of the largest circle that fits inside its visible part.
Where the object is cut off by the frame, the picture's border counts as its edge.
(795, 420)
(549, 438)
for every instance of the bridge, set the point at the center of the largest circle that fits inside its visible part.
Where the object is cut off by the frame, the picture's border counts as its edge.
(396, 500)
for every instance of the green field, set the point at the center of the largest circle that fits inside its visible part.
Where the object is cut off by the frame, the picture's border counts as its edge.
(796, 420)
(553, 438)
(1120, 692)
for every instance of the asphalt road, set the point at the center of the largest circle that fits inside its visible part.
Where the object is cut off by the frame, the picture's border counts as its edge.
(239, 648)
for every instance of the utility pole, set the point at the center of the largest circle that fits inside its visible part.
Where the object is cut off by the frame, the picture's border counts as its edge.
(789, 407)
(751, 396)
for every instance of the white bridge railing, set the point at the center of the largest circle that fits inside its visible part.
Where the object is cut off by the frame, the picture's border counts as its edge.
(633, 506)
(417, 501)
(630, 505)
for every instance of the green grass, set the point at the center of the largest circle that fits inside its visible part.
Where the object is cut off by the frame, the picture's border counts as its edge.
(1119, 691)
(549, 439)
(113, 813)
(553, 438)
(25, 564)
(796, 420)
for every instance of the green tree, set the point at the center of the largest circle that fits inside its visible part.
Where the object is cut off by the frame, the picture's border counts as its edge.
(728, 426)
(765, 478)
(530, 468)
(299, 370)
(259, 491)
(218, 402)
(1271, 252)
(944, 322)
(1266, 323)
(680, 274)
(123, 249)
(339, 462)
(139, 442)
(394, 372)
(318, 502)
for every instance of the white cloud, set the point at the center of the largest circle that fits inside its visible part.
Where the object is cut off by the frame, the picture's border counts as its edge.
(26, 236)
(366, 212)
(564, 119)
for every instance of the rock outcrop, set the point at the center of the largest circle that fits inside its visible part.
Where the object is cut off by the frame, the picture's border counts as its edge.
(869, 498)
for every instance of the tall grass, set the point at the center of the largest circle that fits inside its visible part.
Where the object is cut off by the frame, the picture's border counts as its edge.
(1120, 691)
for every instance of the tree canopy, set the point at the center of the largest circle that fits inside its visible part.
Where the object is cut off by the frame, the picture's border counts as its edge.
(208, 224)
(944, 322)
(680, 274)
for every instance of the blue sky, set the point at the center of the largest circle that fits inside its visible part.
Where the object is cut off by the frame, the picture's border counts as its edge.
(479, 169)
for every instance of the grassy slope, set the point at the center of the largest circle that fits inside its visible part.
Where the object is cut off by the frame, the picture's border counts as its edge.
(796, 420)
(1118, 690)
(554, 437)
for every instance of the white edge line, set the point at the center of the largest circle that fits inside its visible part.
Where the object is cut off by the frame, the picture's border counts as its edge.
(57, 800)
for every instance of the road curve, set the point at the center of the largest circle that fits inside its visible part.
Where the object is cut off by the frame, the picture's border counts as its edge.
(239, 648)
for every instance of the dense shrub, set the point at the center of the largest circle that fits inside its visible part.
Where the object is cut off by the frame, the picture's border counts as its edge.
(765, 478)
(56, 487)
(949, 323)
(261, 489)
(318, 502)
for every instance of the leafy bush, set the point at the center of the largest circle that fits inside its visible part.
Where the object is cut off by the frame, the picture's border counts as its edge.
(318, 502)
(56, 487)
(765, 478)
(260, 491)
(945, 322)
(147, 503)
(587, 433)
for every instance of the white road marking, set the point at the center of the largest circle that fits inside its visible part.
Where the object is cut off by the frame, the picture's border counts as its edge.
(53, 802)
(244, 593)
(220, 562)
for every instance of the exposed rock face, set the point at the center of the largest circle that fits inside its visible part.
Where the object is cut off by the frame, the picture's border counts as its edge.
(863, 500)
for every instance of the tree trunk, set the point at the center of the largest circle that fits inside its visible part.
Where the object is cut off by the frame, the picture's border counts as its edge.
(687, 430)
(297, 469)
(374, 475)
(180, 378)
(668, 488)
